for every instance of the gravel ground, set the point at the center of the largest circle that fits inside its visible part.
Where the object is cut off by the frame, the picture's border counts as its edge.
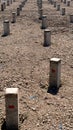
(24, 63)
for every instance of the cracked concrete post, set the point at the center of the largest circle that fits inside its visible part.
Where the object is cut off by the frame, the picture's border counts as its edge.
(11, 105)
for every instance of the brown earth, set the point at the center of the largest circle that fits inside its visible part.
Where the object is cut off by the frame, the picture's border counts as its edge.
(24, 63)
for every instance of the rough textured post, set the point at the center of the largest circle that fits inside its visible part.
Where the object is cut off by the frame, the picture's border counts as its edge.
(40, 13)
(2, 7)
(11, 1)
(44, 22)
(6, 28)
(55, 73)
(20, 6)
(71, 18)
(63, 11)
(64, 1)
(11, 103)
(58, 7)
(47, 37)
(18, 11)
(54, 3)
(13, 17)
(8, 2)
(68, 3)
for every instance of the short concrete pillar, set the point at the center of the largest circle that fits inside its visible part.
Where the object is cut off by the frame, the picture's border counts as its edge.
(13, 17)
(6, 28)
(13, 0)
(63, 11)
(2, 7)
(11, 105)
(40, 5)
(8, 2)
(44, 22)
(51, 2)
(58, 7)
(40, 14)
(61, 0)
(47, 37)
(68, 3)
(71, 18)
(18, 11)
(55, 72)
(64, 1)
(54, 3)
(20, 6)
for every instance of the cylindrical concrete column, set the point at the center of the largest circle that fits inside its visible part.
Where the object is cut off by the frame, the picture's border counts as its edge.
(13, 17)
(2, 7)
(63, 11)
(71, 18)
(64, 1)
(44, 22)
(8, 2)
(20, 6)
(47, 37)
(58, 7)
(40, 14)
(68, 3)
(6, 28)
(11, 105)
(18, 11)
(55, 3)
(55, 73)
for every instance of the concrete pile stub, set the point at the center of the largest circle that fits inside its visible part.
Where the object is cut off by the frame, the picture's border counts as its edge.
(55, 73)
(40, 14)
(47, 37)
(58, 7)
(44, 22)
(11, 105)
(18, 11)
(68, 3)
(71, 18)
(13, 17)
(6, 27)
(63, 11)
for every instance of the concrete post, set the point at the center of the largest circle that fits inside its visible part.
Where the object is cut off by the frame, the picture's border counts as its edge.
(64, 1)
(8, 2)
(20, 6)
(11, 104)
(40, 13)
(6, 27)
(44, 22)
(2, 7)
(47, 37)
(55, 72)
(63, 11)
(58, 7)
(13, 17)
(71, 18)
(54, 3)
(18, 11)
(68, 3)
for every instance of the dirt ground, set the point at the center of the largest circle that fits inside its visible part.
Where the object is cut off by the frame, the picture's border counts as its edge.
(24, 63)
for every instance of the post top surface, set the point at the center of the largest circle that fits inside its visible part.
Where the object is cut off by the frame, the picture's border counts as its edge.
(11, 90)
(55, 59)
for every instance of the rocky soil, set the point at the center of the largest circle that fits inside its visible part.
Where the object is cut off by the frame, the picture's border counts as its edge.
(24, 63)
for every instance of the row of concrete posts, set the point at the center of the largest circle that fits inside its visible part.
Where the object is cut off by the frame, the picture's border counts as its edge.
(6, 3)
(12, 95)
(6, 23)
